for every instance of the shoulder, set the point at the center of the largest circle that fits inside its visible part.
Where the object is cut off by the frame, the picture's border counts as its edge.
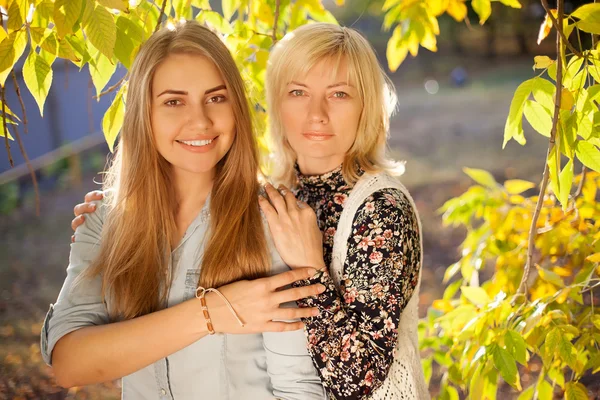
(390, 201)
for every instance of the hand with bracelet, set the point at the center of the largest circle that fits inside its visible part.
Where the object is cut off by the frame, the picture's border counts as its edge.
(256, 302)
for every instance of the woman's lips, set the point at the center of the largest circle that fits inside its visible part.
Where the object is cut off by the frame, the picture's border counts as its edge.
(317, 136)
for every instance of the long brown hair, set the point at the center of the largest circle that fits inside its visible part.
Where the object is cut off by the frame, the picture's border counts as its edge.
(140, 198)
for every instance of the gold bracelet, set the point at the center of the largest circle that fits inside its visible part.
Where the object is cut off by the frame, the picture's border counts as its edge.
(200, 294)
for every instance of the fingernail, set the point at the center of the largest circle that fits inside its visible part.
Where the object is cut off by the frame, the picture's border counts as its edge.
(311, 272)
(321, 288)
(93, 206)
(315, 313)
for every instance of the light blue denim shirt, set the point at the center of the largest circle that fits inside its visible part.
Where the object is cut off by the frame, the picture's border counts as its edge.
(220, 366)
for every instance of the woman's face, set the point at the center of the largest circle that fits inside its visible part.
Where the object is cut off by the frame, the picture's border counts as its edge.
(320, 114)
(191, 113)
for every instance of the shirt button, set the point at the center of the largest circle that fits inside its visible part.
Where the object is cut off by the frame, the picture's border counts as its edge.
(163, 392)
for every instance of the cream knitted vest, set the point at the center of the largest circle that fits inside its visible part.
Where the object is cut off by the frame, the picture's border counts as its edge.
(405, 380)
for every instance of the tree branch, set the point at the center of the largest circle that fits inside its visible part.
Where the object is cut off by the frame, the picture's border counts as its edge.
(522, 290)
(31, 171)
(559, 28)
(274, 36)
(18, 90)
(162, 12)
(113, 87)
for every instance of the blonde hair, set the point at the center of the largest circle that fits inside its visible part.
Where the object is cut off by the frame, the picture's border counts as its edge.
(138, 232)
(295, 55)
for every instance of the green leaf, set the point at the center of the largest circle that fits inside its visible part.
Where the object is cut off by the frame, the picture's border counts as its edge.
(554, 169)
(517, 186)
(482, 177)
(543, 92)
(11, 49)
(588, 154)
(527, 394)
(37, 75)
(123, 45)
(589, 14)
(515, 344)
(566, 181)
(213, 20)
(101, 70)
(475, 295)
(567, 352)
(4, 123)
(550, 276)
(121, 5)
(66, 14)
(573, 68)
(78, 45)
(505, 363)
(101, 30)
(514, 123)
(66, 51)
(483, 8)
(396, 50)
(113, 118)
(551, 343)
(538, 117)
(575, 390)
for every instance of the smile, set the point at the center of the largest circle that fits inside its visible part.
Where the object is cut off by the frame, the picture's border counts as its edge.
(196, 143)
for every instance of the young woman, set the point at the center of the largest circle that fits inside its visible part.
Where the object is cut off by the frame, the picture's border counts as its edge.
(180, 214)
(329, 104)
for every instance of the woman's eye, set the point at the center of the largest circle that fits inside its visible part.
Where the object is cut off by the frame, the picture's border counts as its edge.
(340, 95)
(297, 92)
(216, 99)
(172, 103)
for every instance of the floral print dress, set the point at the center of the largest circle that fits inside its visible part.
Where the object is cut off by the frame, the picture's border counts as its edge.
(353, 338)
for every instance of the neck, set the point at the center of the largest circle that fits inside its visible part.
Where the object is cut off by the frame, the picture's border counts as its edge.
(192, 189)
(317, 166)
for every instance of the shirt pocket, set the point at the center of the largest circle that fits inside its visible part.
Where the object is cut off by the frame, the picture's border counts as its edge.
(191, 283)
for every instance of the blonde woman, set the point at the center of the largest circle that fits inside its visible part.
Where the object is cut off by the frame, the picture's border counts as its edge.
(180, 214)
(329, 104)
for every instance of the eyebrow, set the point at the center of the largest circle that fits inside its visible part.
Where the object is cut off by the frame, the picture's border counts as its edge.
(183, 92)
(328, 87)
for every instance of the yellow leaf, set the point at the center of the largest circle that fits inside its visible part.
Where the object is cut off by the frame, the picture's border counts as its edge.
(442, 305)
(567, 101)
(541, 62)
(475, 295)
(546, 27)
(594, 258)
(457, 10)
(517, 186)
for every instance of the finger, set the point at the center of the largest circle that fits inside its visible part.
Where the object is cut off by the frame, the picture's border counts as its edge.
(268, 210)
(298, 293)
(288, 277)
(72, 238)
(276, 199)
(94, 195)
(84, 208)
(290, 200)
(290, 314)
(274, 326)
(77, 221)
